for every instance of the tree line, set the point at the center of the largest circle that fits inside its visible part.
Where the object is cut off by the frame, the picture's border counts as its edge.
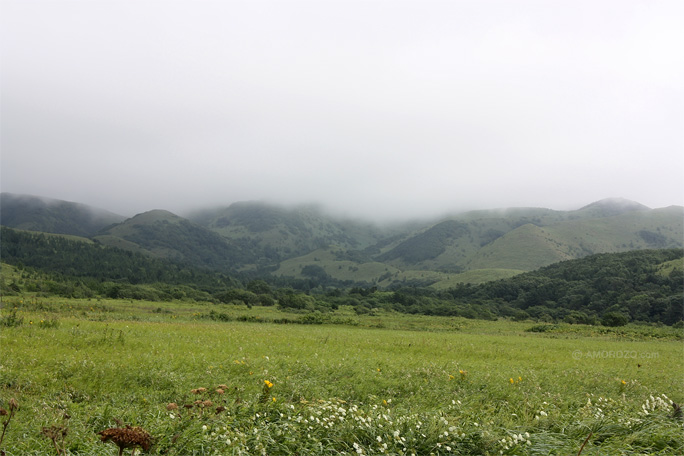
(610, 289)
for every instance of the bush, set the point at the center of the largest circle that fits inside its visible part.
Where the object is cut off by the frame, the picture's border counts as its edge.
(614, 319)
(11, 320)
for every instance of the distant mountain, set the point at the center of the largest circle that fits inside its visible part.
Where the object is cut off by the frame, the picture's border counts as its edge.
(612, 206)
(34, 213)
(276, 233)
(486, 245)
(305, 243)
(162, 234)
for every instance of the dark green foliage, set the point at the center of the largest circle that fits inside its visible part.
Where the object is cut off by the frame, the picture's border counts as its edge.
(10, 319)
(614, 289)
(653, 239)
(53, 216)
(577, 291)
(428, 244)
(92, 265)
(614, 319)
(315, 272)
(183, 240)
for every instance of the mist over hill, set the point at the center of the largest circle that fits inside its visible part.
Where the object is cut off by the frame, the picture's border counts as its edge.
(305, 242)
(36, 213)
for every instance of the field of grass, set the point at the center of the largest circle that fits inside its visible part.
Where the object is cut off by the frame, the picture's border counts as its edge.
(219, 379)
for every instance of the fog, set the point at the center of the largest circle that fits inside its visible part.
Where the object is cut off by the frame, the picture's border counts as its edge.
(377, 109)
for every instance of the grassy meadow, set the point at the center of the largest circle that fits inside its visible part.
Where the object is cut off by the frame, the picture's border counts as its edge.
(207, 379)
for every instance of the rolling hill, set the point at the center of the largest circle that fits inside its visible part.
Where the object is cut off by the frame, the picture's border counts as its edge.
(162, 234)
(34, 213)
(306, 243)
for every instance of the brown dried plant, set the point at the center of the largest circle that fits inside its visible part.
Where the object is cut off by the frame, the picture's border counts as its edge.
(13, 407)
(127, 437)
(56, 433)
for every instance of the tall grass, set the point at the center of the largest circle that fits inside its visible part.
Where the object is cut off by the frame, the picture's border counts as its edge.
(387, 384)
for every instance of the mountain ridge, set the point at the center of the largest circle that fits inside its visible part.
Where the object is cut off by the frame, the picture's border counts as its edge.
(260, 238)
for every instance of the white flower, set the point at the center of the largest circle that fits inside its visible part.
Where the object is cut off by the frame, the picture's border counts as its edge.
(204, 428)
(379, 439)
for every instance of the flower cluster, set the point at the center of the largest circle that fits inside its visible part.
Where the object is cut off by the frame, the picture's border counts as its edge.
(349, 428)
(514, 441)
(653, 404)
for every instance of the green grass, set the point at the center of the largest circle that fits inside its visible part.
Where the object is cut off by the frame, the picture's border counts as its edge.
(476, 276)
(371, 382)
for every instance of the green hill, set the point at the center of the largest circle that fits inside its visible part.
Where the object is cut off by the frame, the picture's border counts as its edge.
(274, 233)
(526, 239)
(305, 243)
(165, 235)
(53, 216)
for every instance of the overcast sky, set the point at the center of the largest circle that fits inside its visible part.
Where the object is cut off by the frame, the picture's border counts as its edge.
(373, 108)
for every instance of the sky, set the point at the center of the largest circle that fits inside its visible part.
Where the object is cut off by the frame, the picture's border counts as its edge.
(378, 109)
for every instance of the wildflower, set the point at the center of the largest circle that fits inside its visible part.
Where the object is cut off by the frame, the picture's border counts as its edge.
(511, 380)
(268, 384)
(273, 399)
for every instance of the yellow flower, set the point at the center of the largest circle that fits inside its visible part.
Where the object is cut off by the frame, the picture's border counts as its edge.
(512, 381)
(520, 379)
(268, 384)
(274, 399)
(451, 377)
(624, 383)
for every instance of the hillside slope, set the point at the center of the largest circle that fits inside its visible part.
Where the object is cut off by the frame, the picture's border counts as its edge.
(165, 235)
(305, 243)
(277, 233)
(34, 213)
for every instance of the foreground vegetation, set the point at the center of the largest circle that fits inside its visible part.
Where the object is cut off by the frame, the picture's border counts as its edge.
(207, 378)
